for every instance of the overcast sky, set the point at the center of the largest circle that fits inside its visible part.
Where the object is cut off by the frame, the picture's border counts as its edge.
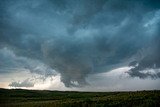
(85, 45)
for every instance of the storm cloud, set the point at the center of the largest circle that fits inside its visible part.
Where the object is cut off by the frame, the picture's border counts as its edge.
(78, 38)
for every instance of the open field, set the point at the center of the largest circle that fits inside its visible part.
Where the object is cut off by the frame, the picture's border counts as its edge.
(37, 98)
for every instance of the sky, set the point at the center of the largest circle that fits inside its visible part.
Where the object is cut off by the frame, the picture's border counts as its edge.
(83, 45)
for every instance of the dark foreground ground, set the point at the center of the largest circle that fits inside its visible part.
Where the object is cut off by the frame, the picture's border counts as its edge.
(35, 98)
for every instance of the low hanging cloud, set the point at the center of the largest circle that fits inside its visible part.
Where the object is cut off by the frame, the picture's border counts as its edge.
(149, 62)
(80, 38)
(26, 83)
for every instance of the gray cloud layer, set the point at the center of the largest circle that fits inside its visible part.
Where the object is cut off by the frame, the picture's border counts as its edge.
(25, 83)
(78, 38)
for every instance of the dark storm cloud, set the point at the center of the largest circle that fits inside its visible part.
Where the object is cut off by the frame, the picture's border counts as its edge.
(13, 63)
(150, 59)
(78, 38)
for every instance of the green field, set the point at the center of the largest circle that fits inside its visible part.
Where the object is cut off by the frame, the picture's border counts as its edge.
(37, 98)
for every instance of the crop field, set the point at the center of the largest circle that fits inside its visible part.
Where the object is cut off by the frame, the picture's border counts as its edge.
(44, 98)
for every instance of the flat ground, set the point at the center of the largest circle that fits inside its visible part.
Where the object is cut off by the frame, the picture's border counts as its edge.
(37, 98)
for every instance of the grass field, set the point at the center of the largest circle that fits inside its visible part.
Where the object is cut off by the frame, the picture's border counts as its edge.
(37, 98)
